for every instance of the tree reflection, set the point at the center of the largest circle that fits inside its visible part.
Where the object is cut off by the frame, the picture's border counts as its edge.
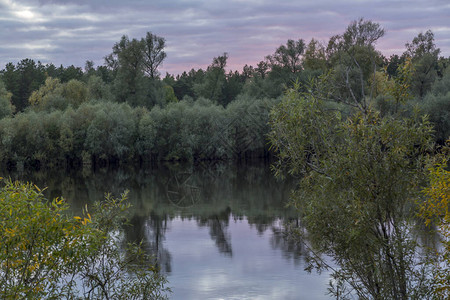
(151, 231)
(292, 247)
(211, 193)
(218, 230)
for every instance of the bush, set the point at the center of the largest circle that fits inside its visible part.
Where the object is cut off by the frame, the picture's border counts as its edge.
(45, 253)
(438, 109)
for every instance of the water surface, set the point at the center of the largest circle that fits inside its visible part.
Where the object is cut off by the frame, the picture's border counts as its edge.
(216, 229)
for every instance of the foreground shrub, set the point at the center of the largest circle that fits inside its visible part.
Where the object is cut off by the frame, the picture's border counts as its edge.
(45, 253)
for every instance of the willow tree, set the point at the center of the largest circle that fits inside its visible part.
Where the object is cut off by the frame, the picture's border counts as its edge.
(359, 175)
(436, 210)
(358, 178)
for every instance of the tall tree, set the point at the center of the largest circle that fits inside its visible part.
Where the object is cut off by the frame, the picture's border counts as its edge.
(314, 58)
(6, 108)
(289, 56)
(127, 61)
(214, 82)
(354, 62)
(154, 54)
(424, 55)
(422, 44)
(21, 80)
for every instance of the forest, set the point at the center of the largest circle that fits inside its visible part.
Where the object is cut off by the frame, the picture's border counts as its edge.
(126, 111)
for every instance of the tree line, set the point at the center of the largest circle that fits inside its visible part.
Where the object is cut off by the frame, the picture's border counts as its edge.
(125, 111)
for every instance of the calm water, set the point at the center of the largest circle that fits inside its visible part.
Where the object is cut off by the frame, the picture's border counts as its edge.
(216, 229)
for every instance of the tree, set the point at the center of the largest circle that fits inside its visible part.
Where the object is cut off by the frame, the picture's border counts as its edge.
(354, 61)
(97, 89)
(153, 54)
(56, 95)
(130, 62)
(422, 44)
(314, 57)
(362, 33)
(46, 253)
(289, 56)
(213, 84)
(6, 108)
(128, 57)
(41, 97)
(393, 63)
(75, 92)
(424, 55)
(357, 179)
(435, 210)
(359, 172)
(22, 80)
(70, 73)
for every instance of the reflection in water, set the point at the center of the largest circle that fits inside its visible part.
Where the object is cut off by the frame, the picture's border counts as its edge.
(151, 230)
(292, 249)
(218, 225)
(241, 208)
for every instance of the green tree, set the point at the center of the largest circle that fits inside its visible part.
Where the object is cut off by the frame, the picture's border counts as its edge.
(214, 81)
(128, 82)
(75, 92)
(314, 58)
(21, 80)
(424, 55)
(111, 133)
(354, 62)
(289, 56)
(97, 89)
(358, 176)
(435, 210)
(41, 97)
(422, 44)
(6, 108)
(154, 54)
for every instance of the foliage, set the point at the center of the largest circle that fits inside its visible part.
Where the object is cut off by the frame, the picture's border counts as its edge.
(154, 53)
(213, 84)
(289, 56)
(6, 108)
(45, 253)
(39, 97)
(437, 107)
(54, 95)
(435, 209)
(22, 79)
(422, 44)
(392, 93)
(205, 114)
(357, 179)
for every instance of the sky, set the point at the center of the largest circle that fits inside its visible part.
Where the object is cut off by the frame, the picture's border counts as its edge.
(70, 32)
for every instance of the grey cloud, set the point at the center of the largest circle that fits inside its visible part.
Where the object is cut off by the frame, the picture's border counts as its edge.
(198, 30)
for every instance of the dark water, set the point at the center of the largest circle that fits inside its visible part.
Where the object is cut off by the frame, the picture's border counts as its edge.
(216, 229)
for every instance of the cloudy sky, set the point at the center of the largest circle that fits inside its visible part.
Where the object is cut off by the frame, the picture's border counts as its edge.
(73, 31)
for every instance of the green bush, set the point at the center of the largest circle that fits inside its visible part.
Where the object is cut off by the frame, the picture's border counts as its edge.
(46, 253)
